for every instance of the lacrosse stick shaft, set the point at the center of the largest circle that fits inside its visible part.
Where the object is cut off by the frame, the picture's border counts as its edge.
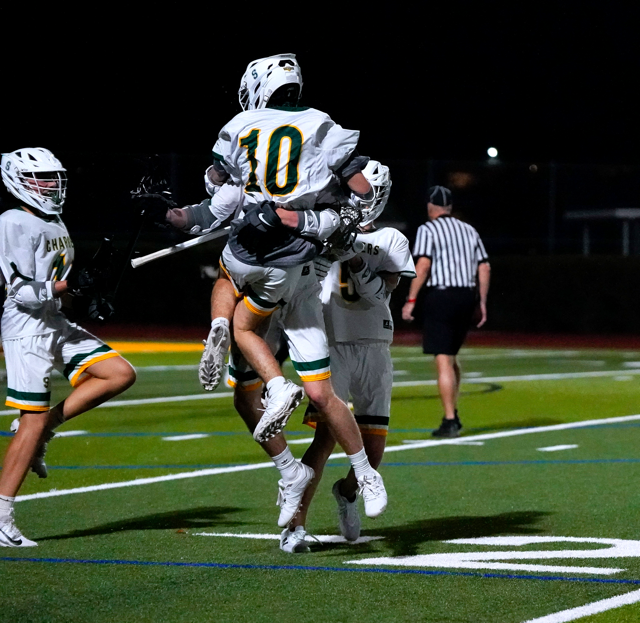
(176, 248)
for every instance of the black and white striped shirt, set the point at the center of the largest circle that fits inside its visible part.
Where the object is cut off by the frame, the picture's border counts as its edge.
(455, 250)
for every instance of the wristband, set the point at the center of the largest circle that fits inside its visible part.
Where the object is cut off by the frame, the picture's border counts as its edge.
(411, 300)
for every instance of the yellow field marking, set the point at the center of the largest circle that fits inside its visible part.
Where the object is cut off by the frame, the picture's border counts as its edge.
(156, 347)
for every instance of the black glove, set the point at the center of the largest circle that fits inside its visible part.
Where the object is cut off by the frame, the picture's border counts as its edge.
(345, 235)
(81, 283)
(263, 217)
(100, 309)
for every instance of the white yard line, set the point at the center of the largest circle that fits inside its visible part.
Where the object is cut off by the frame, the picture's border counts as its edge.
(526, 377)
(587, 610)
(569, 446)
(253, 466)
(186, 437)
(329, 538)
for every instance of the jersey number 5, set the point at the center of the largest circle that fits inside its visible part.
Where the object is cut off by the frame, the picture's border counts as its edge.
(280, 175)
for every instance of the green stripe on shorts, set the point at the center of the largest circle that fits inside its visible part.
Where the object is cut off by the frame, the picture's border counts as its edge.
(30, 396)
(78, 359)
(310, 366)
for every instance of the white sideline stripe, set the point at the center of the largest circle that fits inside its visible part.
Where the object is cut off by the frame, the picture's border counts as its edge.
(323, 538)
(593, 608)
(151, 401)
(186, 437)
(512, 433)
(569, 446)
(484, 379)
(293, 442)
(71, 433)
(341, 455)
(527, 377)
(144, 481)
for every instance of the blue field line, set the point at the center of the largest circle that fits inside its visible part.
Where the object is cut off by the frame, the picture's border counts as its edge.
(249, 567)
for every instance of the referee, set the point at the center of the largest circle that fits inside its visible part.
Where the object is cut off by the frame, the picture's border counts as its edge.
(451, 259)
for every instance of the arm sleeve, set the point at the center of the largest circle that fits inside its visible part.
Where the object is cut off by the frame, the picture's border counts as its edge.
(212, 213)
(17, 260)
(369, 285)
(318, 224)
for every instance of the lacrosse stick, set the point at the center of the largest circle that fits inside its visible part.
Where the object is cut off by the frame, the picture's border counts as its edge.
(176, 248)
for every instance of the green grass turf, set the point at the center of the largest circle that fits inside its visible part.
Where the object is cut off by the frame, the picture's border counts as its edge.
(506, 487)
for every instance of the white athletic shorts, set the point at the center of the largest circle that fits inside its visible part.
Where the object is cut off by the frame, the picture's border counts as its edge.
(364, 372)
(31, 360)
(299, 328)
(265, 289)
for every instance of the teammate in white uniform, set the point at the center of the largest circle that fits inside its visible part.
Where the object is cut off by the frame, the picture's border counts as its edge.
(36, 254)
(290, 155)
(355, 297)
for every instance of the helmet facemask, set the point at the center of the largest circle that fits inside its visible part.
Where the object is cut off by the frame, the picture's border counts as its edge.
(378, 176)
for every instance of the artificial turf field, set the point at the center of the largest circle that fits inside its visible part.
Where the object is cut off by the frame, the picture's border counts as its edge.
(187, 530)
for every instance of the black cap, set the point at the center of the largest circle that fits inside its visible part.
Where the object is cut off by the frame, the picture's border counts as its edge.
(439, 196)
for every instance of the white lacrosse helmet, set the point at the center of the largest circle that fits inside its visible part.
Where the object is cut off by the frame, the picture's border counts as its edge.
(264, 76)
(378, 176)
(34, 175)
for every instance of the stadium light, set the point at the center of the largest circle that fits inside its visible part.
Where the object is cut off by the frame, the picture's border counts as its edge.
(492, 152)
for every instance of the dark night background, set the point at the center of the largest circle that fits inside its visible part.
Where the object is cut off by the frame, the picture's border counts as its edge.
(429, 86)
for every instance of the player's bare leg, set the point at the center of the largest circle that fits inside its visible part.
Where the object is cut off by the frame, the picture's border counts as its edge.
(105, 379)
(223, 298)
(345, 430)
(21, 450)
(295, 477)
(282, 396)
(253, 348)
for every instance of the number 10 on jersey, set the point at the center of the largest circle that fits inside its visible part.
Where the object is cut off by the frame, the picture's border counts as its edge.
(280, 175)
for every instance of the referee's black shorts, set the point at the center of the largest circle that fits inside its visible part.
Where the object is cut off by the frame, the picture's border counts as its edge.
(448, 313)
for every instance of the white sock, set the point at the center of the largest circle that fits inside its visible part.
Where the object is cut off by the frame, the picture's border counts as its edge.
(286, 464)
(6, 504)
(276, 384)
(216, 321)
(360, 464)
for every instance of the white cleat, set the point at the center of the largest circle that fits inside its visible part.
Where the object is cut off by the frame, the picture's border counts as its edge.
(290, 493)
(372, 490)
(294, 542)
(212, 361)
(38, 465)
(348, 516)
(10, 536)
(278, 409)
